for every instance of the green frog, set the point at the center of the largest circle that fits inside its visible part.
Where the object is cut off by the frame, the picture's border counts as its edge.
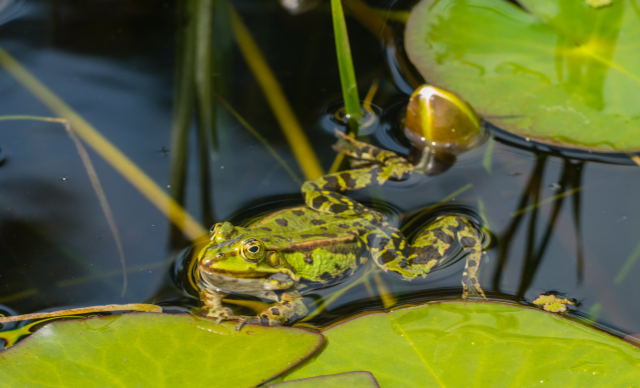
(288, 253)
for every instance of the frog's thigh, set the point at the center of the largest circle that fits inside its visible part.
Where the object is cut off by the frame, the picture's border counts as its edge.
(389, 250)
(290, 309)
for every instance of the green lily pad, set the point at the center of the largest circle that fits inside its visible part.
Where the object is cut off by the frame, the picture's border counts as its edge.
(349, 379)
(474, 344)
(561, 72)
(153, 350)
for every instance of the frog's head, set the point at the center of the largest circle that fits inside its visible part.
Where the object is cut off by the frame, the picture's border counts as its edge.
(237, 258)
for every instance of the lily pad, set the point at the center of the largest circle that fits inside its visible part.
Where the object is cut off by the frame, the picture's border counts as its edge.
(153, 350)
(557, 71)
(474, 344)
(350, 379)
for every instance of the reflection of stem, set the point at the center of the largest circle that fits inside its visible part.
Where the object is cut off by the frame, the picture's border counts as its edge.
(95, 183)
(576, 181)
(535, 256)
(504, 242)
(171, 209)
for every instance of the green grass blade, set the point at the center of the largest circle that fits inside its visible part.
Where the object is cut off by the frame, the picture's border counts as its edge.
(345, 65)
(131, 172)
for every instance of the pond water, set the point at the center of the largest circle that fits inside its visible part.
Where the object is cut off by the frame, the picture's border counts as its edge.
(555, 220)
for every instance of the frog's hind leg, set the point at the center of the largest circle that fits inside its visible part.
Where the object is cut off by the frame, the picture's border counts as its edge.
(432, 248)
(472, 243)
(392, 166)
(320, 193)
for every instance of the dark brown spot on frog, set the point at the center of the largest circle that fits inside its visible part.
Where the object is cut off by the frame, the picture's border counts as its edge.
(468, 242)
(298, 212)
(265, 239)
(282, 222)
(357, 224)
(323, 228)
(264, 321)
(308, 260)
(332, 182)
(442, 236)
(266, 229)
(338, 208)
(387, 257)
(348, 180)
(318, 222)
(274, 311)
(425, 255)
(326, 276)
(343, 226)
(337, 266)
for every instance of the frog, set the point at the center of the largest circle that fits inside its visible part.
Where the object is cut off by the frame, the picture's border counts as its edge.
(284, 255)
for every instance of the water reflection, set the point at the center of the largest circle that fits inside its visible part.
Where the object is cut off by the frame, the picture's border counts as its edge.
(113, 63)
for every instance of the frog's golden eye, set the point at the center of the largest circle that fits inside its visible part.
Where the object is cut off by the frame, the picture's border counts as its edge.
(252, 250)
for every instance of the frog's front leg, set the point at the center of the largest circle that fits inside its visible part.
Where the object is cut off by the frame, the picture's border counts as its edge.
(212, 305)
(289, 309)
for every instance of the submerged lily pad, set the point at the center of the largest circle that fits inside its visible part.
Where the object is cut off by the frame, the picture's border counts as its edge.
(153, 350)
(560, 72)
(474, 344)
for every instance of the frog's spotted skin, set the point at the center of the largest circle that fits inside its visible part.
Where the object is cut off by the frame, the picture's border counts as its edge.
(293, 251)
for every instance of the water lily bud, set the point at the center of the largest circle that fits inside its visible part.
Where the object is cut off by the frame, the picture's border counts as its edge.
(441, 121)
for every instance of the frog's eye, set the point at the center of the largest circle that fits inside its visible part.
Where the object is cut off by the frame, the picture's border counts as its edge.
(252, 250)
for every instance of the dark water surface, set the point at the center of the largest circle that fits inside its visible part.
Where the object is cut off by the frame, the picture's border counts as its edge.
(113, 62)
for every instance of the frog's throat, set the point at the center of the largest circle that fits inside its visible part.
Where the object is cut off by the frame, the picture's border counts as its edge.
(260, 287)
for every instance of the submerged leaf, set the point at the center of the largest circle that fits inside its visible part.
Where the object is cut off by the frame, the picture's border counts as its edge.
(473, 344)
(153, 350)
(560, 72)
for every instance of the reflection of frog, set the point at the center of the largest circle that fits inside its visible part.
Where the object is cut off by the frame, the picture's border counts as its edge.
(297, 250)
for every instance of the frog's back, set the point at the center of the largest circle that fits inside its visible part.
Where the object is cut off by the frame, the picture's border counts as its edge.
(323, 249)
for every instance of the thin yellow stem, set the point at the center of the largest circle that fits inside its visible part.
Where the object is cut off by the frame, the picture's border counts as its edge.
(172, 210)
(300, 146)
